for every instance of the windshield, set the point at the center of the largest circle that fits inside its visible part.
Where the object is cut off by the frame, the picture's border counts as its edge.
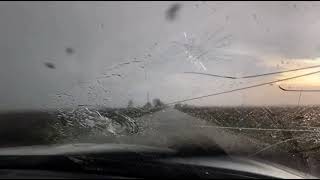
(240, 75)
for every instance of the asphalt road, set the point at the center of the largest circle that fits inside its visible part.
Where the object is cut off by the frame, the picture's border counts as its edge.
(166, 128)
(171, 127)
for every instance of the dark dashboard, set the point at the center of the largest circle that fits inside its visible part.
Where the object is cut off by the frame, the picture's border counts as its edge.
(127, 162)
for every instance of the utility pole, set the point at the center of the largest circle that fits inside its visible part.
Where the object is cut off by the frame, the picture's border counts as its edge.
(146, 78)
(299, 98)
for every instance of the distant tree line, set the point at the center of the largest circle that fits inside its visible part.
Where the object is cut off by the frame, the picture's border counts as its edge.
(156, 103)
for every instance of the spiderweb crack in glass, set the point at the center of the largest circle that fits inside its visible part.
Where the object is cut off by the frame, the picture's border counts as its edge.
(82, 121)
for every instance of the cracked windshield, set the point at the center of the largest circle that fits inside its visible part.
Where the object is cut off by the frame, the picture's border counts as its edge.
(241, 76)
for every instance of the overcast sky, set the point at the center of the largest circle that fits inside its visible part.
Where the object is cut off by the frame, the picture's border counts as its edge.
(132, 48)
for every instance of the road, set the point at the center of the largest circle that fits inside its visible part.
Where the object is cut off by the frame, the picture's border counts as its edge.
(167, 128)
(171, 127)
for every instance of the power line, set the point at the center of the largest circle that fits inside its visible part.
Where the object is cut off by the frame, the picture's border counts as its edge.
(252, 76)
(243, 88)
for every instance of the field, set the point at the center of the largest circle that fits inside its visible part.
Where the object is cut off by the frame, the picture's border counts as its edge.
(68, 125)
(290, 129)
(297, 126)
(267, 124)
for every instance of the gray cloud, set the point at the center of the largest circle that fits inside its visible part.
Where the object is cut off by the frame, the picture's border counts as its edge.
(84, 40)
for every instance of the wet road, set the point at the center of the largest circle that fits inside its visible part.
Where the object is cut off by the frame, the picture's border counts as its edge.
(170, 127)
(166, 128)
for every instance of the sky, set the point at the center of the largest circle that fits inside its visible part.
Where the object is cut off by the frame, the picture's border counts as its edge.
(61, 54)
